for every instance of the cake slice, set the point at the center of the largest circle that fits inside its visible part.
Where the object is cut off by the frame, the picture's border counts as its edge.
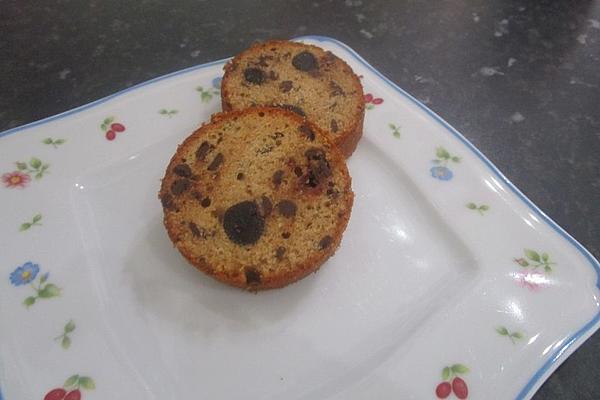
(257, 198)
(302, 78)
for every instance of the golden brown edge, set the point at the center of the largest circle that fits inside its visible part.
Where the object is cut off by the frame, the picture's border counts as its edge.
(347, 140)
(313, 263)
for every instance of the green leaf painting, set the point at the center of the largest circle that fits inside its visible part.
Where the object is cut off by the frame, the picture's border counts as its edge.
(71, 381)
(503, 331)
(395, 130)
(534, 260)
(79, 382)
(54, 142)
(454, 370)
(481, 209)
(446, 373)
(35, 221)
(167, 113)
(459, 369)
(87, 383)
(35, 166)
(206, 95)
(106, 123)
(65, 338)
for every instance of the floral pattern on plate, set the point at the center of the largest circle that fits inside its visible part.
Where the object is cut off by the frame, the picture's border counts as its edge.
(452, 382)
(443, 158)
(71, 389)
(481, 209)
(395, 130)
(513, 336)
(26, 274)
(372, 101)
(15, 180)
(64, 337)
(530, 277)
(54, 142)
(207, 94)
(168, 113)
(111, 128)
(35, 221)
(20, 178)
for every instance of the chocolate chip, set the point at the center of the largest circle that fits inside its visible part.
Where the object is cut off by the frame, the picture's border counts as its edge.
(305, 129)
(216, 162)
(243, 224)
(286, 86)
(265, 206)
(287, 208)
(203, 150)
(318, 162)
(305, 61)
(205, 202)
(285, 235)
(252, 276)
(323, 168)
(198, 232)
(240, 176)
(312, 180)
(167, 201)
(279, 253)
(318, 166)
(277, 177)
(183, 170)
(179, 186)
(255, 76)
(334, 126)
(197, 195)
(314, 154)
(292, 108)
(298, 171)
(325, 242)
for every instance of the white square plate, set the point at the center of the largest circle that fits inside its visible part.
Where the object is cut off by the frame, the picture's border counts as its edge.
(447, 276)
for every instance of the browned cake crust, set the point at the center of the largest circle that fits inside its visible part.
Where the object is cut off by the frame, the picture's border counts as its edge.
(302, 78)
(257, 198)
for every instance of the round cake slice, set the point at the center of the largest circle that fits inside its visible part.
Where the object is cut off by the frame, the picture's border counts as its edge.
(302, 78)
(257, 198)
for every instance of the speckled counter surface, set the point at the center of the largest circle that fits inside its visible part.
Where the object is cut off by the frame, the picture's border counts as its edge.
(521, 80)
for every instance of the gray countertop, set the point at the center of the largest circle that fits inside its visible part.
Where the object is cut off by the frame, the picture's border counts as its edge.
(519, 79)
